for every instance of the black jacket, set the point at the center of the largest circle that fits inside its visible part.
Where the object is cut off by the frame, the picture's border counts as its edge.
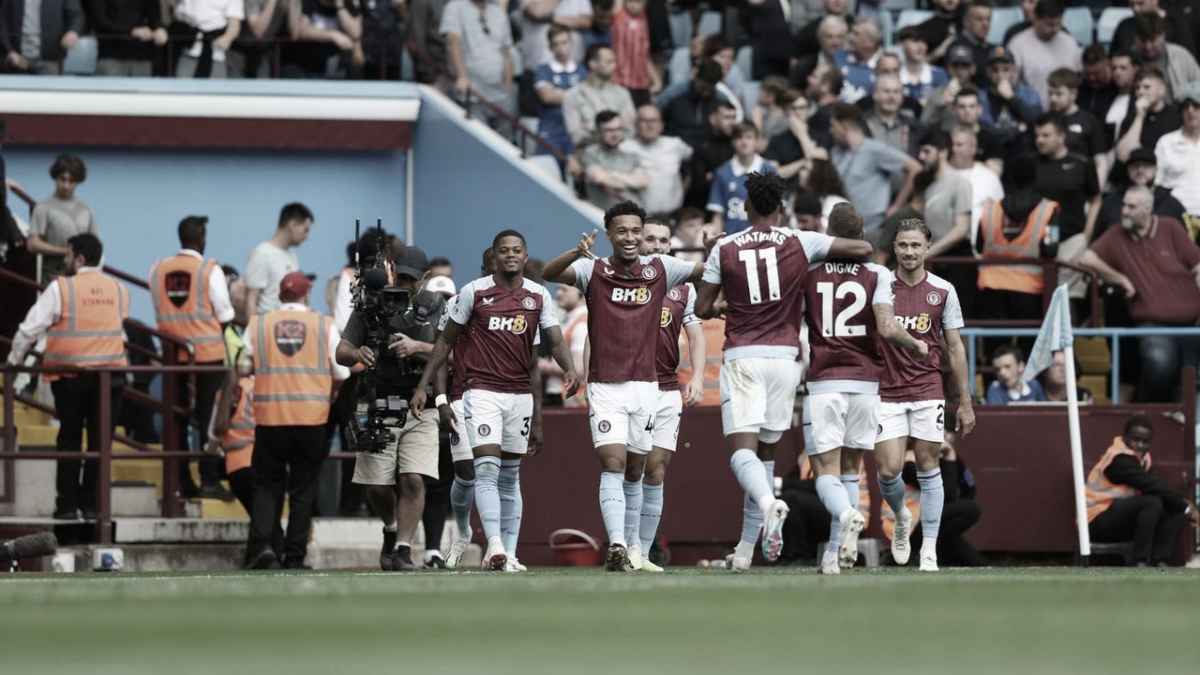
(58, 18)
(1126, 470)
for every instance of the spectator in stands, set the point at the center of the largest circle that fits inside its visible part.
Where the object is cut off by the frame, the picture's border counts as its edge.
(790, 147)
(1151, 117)
(1027, 16)
(595, 94)
(127, 35)
(1127, 501)
(865, 45)
(1045, 47)
(688, 233)
(1020, 225)
(554, 78)
(939, 31)
(992, 147)
(1124, 74)
(770, 113)
(716, 150)
(631, 44)
(273, 259)
(613, 175)
(203, 32)
(732, 85)
(536, 18)
(1178, 154)
(824, 90)
(807, 39)
(60, 216)
(985, 183)
(663, 158)
(1097, 92)
(1157, 266)
(1151, 46)
(832, 54)
(1175, 20)
(918, 77)
(866, 167)
(806, 212)
(1067, 178)
(1054, 381)
(1142, 170)
(427, 44)
(35, 36)
(960, 63)
(888, 121)
(771, 37)
(727, 196)
(977, 22)
(687, 116)
(479, 44)
(1010, 387)
(820, 178)
(1085, 135)
(947, 212)
(253, 52)
(439, 266)
(1009, 105)
(382, 43)
(600, 30)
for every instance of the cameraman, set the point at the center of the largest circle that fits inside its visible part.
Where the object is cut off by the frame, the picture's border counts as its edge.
(393, 477)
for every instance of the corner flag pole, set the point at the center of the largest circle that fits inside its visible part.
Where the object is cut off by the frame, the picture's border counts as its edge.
(1081, 521)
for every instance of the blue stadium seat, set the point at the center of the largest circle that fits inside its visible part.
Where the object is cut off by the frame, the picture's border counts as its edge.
(750, 92)
(1003, 18)
(912, 17)
(679, 68)
(745, 61)
(1110, 18)
(681, 28)
(81, 59)
(897, 5)
(710, 22)
(1079, 23)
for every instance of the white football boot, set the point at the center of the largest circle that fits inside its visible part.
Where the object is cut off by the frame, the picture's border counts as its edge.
(852, 522)
(901, 548)
(496, 559)
(772, 540)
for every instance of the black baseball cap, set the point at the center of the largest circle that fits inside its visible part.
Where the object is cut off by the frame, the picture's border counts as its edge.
(1141, 156)
(1000, 55)
(960, 54)
(411, 262)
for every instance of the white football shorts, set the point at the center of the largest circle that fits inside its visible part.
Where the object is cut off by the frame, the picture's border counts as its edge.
(758, 393)
(497, 418)
(460, 449)
(922, 420)
(666, 419)
(842, 420)
(623, 414)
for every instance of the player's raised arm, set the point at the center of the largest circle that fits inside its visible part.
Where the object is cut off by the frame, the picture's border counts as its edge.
(852, 249)
(560, 270)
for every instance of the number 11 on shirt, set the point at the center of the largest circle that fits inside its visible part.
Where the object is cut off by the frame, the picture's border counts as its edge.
(749, 258)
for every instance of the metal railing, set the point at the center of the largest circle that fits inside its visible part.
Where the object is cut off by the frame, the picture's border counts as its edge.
(1050, 271)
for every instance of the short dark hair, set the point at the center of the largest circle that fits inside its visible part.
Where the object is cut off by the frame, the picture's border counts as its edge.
(1021, 171)
(914, 225)
(1048, 118)
(1149, 26)
(744, 128)
(806, 203)
(712, 44)
(605, 116)
(722, 104)
(440, 261)
(593, 51)
(502, 234)
(70, 164)
(192, 230)
(987, 4)
(87, 245)
(967, 90)
(1138, 421)
(489, 254)
(1149, 71)
(1064, 77)
(625, 208)
(845, 222)
(709, 71)
(294, 211)
(765, 192)
(1125, 54)
(1048, 9)
(935, 137)
(556, 29)
(846, 112)
(688, 213)
(1009, 350)
(659, 220)
(1095, 53)
(833, 79)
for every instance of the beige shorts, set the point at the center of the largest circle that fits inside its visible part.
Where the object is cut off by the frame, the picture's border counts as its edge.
(415, 451)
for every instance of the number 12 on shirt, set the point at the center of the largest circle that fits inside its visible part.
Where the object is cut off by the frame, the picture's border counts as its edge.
(842, 327)
(750, 259)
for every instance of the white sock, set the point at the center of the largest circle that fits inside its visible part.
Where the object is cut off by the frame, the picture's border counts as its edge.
(652, 508)
(462, 498)
(633, 509)
(511, 504)
(612, 505)
(933, 499)
(893, 493)
(487, 494)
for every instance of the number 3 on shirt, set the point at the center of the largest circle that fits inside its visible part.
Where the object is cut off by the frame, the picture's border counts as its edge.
(750, 258)
(842, 327)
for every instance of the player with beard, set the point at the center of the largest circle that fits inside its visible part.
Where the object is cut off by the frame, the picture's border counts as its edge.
(645, 474)
(913, 408)
(763, 271)
(625, 294)
(502, 313)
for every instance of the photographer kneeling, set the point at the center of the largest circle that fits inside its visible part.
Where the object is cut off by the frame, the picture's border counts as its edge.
(391, 332)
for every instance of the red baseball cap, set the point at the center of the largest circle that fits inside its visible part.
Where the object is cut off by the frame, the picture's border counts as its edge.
(294, 286)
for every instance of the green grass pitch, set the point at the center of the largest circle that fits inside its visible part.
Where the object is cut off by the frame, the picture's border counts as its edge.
(688, 621)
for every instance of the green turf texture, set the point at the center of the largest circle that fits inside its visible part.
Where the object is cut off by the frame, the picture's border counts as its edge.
(1024, 621)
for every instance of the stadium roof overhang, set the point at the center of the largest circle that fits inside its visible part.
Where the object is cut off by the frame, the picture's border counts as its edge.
(311, 118)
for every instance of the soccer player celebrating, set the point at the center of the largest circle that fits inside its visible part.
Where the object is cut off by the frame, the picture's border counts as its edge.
(762, 271)
(913, 410)
(843, 378)
(502, 313)
(645, 474)
(625, 294)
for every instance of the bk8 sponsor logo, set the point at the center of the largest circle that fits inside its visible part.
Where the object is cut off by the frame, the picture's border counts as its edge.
(631, 296)
(919, 323)
(513, 324)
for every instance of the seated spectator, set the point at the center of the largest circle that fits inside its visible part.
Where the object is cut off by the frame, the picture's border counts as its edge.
(715, 151)
(35, 36)
(1054, 381)
(960, 511)
(820, 178)
(770, 113)
(1124, 72)
(976, 24)
(204, 31)
(596, 93)
(788, 148)
(1085, 136)
(1151, 46)
(806, 212)
(554, 79)
(919, 78)
(1178, 154)
(727, 196)
(479, 44)
(939, 31)
(985, 184)
(663, 158)
(1045, 47)
(1021, 225)
(1151, 117)
(1142, 170)
(866, 167)
(612, 174)
(1009, 387)
(1067, 178)
(1009, 105)
(1097, 91)
(1157, 267)
(807, 39)
(689, 233)
(60, 216)
(127, 35)
(888, 121)
(631, 43)
(866, 41)
(960, 63)
(1176, 19)
(832, 54)
(1127, 501)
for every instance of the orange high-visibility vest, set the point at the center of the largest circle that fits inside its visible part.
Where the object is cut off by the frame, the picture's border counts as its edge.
(89, 332)
(293, 378)
(1018, 278)
(1100, 490)
(238, 440)
(183, 307)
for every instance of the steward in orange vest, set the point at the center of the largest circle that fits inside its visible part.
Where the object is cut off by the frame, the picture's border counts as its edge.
(1127, 502)
(191, 303)
(81, 316)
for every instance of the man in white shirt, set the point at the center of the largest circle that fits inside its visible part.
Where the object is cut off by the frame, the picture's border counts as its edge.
(985, 184)
(273, 259)
(1178, 152)
(1045, 47)
(206, 29)
(661, 156)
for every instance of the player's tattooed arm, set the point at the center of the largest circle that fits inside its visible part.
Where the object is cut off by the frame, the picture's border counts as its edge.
(706, 299)
(885, 320)
(559, 269)
(562, 355)
(958, 370)
(437, 359)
